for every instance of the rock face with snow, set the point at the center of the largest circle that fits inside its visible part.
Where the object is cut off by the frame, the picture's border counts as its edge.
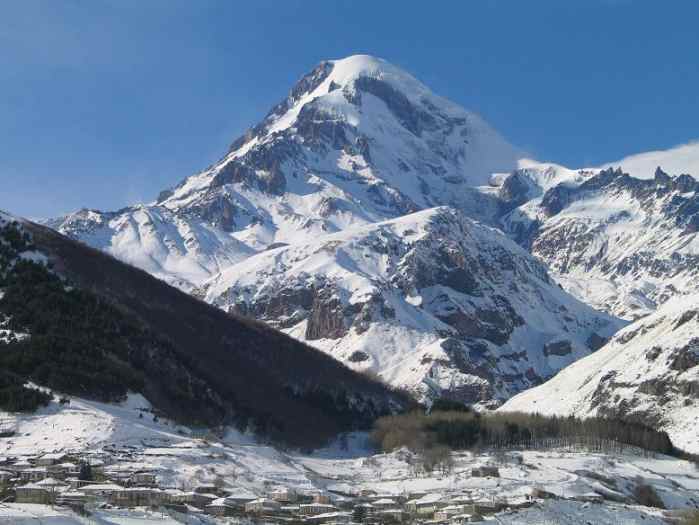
(621, 243)
(648, 372)
(357, 140)
(432, 301)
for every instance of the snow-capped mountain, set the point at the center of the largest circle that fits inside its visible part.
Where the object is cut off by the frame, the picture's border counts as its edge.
(432, 301)
(620, 243)
(290, 227)
(649, 372)
(356, 141)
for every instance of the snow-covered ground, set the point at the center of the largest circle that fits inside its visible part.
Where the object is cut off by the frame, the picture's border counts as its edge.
(184, 461)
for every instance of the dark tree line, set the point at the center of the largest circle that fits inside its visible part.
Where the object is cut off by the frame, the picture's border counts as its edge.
(468, 430)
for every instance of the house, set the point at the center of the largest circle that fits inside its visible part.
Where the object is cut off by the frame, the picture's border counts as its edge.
(76, 484)
(33, 493)
(330, 517)
(194, 499)
(219, 507)
(390, 515)
(461, 499)
(426, 505)
(71, 498)
(284, 495)
(33, 474)
(367, 508)
(484, 507)
(239, 498)
(208, 489)
(446, 513)
(321, 497)
(485, 472)
(62, 470)
(312, 509)
(416, 494)
(50, 459)
(137, 497)
(385, 503)
(101, 489)
(5, 477)
(262, 506)
(143, 479)
(44, 491)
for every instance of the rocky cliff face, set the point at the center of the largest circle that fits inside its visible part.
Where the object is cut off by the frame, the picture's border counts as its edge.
(648, 372)
(432, 301)
(620, 243)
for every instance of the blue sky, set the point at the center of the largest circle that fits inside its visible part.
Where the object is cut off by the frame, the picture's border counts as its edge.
(104, 103)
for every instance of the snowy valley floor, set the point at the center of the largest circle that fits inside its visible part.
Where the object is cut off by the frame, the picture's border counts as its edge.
(182, 461)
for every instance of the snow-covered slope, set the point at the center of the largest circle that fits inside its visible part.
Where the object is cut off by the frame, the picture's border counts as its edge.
(619, 243)
(649, 372)
(431, 301)
(357, 140)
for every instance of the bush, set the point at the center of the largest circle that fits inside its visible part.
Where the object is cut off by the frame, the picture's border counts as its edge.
(646, 495)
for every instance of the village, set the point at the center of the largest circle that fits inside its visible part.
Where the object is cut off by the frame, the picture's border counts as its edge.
(92, 463)
(99, 480)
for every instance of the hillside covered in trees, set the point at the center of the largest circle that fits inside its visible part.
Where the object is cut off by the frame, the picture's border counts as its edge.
(97, 328)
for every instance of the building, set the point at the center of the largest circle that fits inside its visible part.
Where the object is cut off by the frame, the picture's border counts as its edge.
(446, 513)
(461, 499)
(143, 479)
(5, 477)
(33, 493)
(330, 517)
(284, 495)
(321, 497)
(425, 506)
(385, 503)
(239, 498)
(137, 497)
(262, 506)
(390, 515)
(44, 492)
(62, 470)
(71, 498)
(33, 474)
(50, 459)
(219, 507)
(485, 472)
(103, 490)
(484, 507)
(312, 509)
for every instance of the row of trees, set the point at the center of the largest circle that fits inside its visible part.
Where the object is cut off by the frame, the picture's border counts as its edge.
(468, 430)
